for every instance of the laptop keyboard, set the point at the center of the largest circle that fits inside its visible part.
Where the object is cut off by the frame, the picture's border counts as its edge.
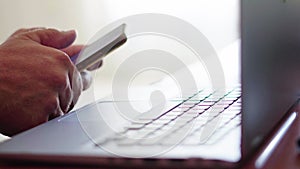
(201, 119)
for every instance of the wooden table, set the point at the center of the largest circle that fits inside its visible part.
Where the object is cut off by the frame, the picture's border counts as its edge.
(285, 155)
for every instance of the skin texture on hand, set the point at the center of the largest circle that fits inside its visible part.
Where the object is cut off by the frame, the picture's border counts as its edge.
(38, 81)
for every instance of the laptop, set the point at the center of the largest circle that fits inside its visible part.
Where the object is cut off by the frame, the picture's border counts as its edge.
(220, 128)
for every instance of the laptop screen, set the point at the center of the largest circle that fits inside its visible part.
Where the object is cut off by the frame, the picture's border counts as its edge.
(270, 66)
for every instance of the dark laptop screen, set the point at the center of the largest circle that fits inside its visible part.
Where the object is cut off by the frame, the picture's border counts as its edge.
(270, 65)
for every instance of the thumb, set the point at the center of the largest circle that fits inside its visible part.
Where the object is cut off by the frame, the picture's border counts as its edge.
(52, 37)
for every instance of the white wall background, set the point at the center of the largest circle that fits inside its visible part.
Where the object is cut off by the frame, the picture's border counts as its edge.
(218, 20)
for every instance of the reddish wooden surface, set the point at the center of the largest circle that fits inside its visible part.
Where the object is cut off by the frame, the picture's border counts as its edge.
(285, 155)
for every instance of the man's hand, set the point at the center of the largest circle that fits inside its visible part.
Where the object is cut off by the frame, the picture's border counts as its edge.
(38, 81)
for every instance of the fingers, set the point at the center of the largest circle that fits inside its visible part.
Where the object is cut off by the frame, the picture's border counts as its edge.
(66, 98)
(71, 85)
(70, 92)
(57, 111)
(85, 75)
(73, 50)
(50, 37)
(68, 88)
(52, 83)
(86, 79)
(25, 30)
(76, 84)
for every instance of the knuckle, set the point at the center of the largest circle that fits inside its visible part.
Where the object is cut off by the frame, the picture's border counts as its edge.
(60, 72)
(20, 30)
(53, 31)
(63, 59)
(50, 33)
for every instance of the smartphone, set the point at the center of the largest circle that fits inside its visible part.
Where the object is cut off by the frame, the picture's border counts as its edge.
(94, 52)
